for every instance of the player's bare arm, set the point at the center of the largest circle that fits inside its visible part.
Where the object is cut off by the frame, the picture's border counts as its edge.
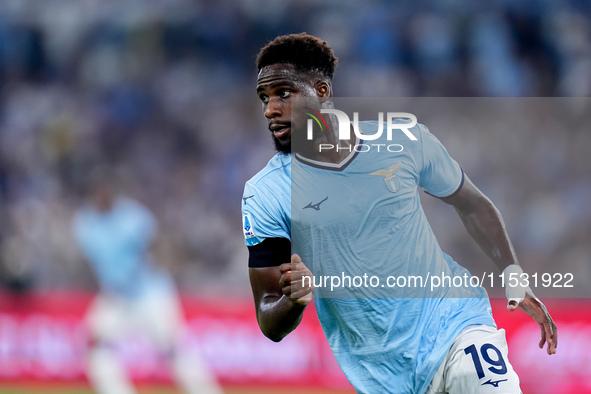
(485, 224)
(280, 298)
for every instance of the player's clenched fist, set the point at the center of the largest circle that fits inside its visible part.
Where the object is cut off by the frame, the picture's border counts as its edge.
(296, 281)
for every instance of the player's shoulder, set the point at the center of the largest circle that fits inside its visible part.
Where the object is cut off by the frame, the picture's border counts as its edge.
(277, 169)
(132, 209)
(82, 216)
(270, 188)
(128, 204)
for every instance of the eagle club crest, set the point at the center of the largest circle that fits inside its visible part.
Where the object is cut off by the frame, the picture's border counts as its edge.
(392, 182)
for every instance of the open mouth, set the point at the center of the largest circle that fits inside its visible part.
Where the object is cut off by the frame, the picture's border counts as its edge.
(280, 129)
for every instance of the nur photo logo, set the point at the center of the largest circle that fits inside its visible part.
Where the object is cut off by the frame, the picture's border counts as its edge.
(400, 121)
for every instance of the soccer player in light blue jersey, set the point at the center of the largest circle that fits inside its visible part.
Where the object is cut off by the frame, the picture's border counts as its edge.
(314, 213)
(115, 235)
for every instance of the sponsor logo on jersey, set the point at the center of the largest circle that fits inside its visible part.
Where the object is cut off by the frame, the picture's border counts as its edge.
(316, 206)
(247, 227)
(390, 179)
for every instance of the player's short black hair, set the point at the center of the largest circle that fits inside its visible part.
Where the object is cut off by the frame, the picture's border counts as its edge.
(303, 51)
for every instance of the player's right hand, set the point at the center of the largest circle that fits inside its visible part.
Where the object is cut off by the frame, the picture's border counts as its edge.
(520, 296)
(537, 310)
(292, 282)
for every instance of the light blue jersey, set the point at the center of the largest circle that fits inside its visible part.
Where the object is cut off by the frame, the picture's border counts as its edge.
(266, 203)
(364, 217)
(116, 244)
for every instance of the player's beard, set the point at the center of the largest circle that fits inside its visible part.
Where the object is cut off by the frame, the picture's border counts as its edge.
(303, 146)
(282, 146)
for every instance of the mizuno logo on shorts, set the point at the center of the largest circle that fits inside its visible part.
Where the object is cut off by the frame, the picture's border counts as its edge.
(495, 383)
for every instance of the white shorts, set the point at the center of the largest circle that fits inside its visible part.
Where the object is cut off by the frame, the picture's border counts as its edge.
(157, 316)
(476, 363)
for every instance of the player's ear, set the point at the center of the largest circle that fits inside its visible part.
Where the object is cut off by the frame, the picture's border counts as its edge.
(323, 89)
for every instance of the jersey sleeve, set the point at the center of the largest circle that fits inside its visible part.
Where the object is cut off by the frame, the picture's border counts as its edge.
(262, 216)
(147, 226)
(440, 174)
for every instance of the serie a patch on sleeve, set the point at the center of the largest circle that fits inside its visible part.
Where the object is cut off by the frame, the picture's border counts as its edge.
(249, 235)
(247, 227)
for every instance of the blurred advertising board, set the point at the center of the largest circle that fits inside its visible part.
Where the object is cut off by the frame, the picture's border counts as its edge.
(43, 338)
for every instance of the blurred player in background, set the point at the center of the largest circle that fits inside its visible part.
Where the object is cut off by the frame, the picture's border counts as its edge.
(116, 234)
(445, 344)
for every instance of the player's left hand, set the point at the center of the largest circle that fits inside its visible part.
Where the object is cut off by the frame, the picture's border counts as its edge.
(537, 310)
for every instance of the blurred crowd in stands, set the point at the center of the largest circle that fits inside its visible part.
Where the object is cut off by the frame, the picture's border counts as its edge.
(162, 93)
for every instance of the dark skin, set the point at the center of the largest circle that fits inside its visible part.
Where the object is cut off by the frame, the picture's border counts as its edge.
(101, 196)
(277, 84)
(485, 224)
(280, 298)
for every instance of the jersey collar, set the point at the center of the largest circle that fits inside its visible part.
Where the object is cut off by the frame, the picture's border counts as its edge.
(331, 166)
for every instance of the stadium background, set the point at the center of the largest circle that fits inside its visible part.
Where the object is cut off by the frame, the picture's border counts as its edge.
(162, 92)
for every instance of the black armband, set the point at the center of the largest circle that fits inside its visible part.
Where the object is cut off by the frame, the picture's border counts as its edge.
(272, 252)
